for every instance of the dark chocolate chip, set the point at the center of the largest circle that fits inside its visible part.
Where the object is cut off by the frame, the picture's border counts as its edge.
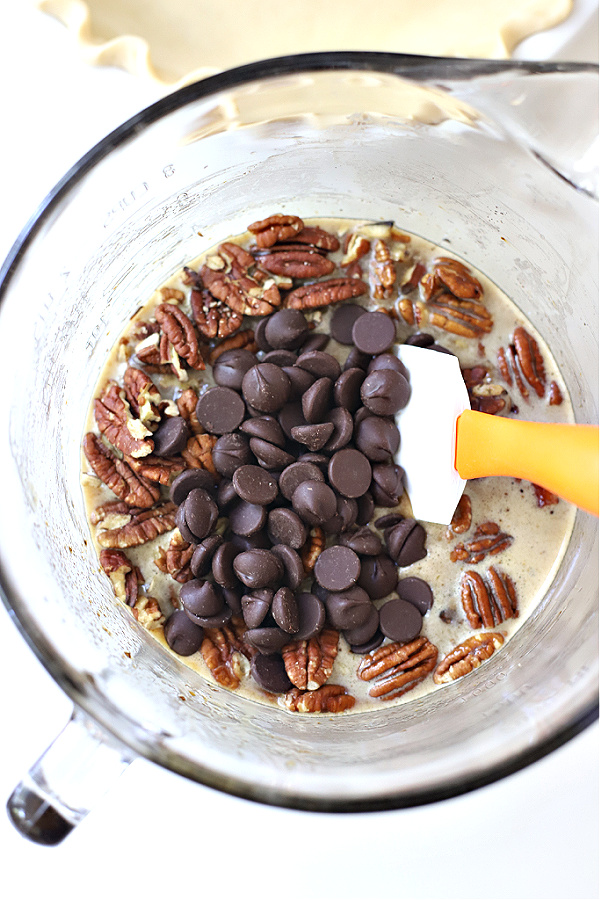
(233, 599)
(290, 417)
(349, 609)
(388, 521)
(257, 541)
(342, 322)
(226, 494)
(220, 410)
(388, 484)
(314, 502)
(300, 380)
(373, 333)
(350, 472)
(231, 366)
(343, 426)
(321, 460)
(368, 647)
(201, 561)
(378, 576)
(337, 568)
(311, 613)
(385, 392)
(285, 610)
(185, 532)
(346, 391)
(363, 541)
(267, 640)
(406, 542)
(356, 359)
(366, 508)
(200, 512)
(269, 455)
(201, 599)
(247, 518)
(377, 438)
(266, 428)
(268, 670)
(222, 565)
(347, 510)
(284, 526)
(420, 339)
(416, 591)
(254, 484)
(286, 329)
(230, 452)
(388, 361)
(400, 621)
(182, 635)
(258, 568)
(361, 634)
(266, 388)
(315, 341)
(295, 474)
(292, 564)
(255, 607)
(280, 358)
(171, 436)
(188, 480)
(320, 364)
(313, 436)
(260, 336)
(316, 401)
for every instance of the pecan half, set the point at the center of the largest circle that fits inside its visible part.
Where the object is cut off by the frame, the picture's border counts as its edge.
(124, 576)
(117, 474)
(522, 362)
(312, 548)
(181, 334)
(324, 293)
(157, 468)
(186, 404)
(297, 263)
(467, 656)
(142, 527)
(243, 294)
(488, 539)
(221, 650)
(382, 274)
(198, 452)
(142, 395)
(175, 560)
(243, 340)
(488, 601)
(275, 228)
(555, 397)
(126, 433)
(398, 668)
(213, 317)
(465, 318)
(309, 663)
(457, 278)
(317, 237)
(331, 698)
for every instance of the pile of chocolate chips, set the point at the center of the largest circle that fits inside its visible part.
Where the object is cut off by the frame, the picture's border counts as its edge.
(302, 442)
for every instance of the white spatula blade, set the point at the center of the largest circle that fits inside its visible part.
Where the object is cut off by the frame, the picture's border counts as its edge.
(428, 432)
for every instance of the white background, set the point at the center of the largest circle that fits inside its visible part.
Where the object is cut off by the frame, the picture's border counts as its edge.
(533, 835)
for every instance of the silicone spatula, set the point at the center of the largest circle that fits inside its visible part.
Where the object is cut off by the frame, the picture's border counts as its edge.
(443, 443)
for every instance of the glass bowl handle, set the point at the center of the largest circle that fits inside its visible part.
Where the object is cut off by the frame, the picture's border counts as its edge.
(63, 785)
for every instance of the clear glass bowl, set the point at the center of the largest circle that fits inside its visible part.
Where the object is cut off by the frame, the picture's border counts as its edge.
(494, 160)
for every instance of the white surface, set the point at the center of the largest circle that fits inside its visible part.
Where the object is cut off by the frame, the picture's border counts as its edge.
(534, 835)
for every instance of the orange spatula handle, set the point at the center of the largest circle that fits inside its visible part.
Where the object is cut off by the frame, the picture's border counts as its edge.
(561, 458)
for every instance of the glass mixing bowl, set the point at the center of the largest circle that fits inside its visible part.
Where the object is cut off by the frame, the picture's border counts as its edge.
(494, 160)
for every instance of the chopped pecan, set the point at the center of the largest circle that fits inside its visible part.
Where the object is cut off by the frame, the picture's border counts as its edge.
(467, 656)
(522, 361)
(221, 649)
(157, 468)
(148, 352)
(124, 576)
(555, 397)
(331, 698)
(382, 271)
(148, 613)
(198, 452)
(461, 520)
(304, 263)
(175, 560)
(309, 663)
(117, 474)
(213, 317)
(312, 548)
(243, 340)
(275, 228)
(488, 601)
(186, 404)
(543, 496)
(142, 395)
(356, 245)
(126, 433)
(181, 334)
(142, 527)
(488, 539)
(236, 257)
(485, 395)
(413, 278)
(398, 668)
(243, 294)
(324, 293)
